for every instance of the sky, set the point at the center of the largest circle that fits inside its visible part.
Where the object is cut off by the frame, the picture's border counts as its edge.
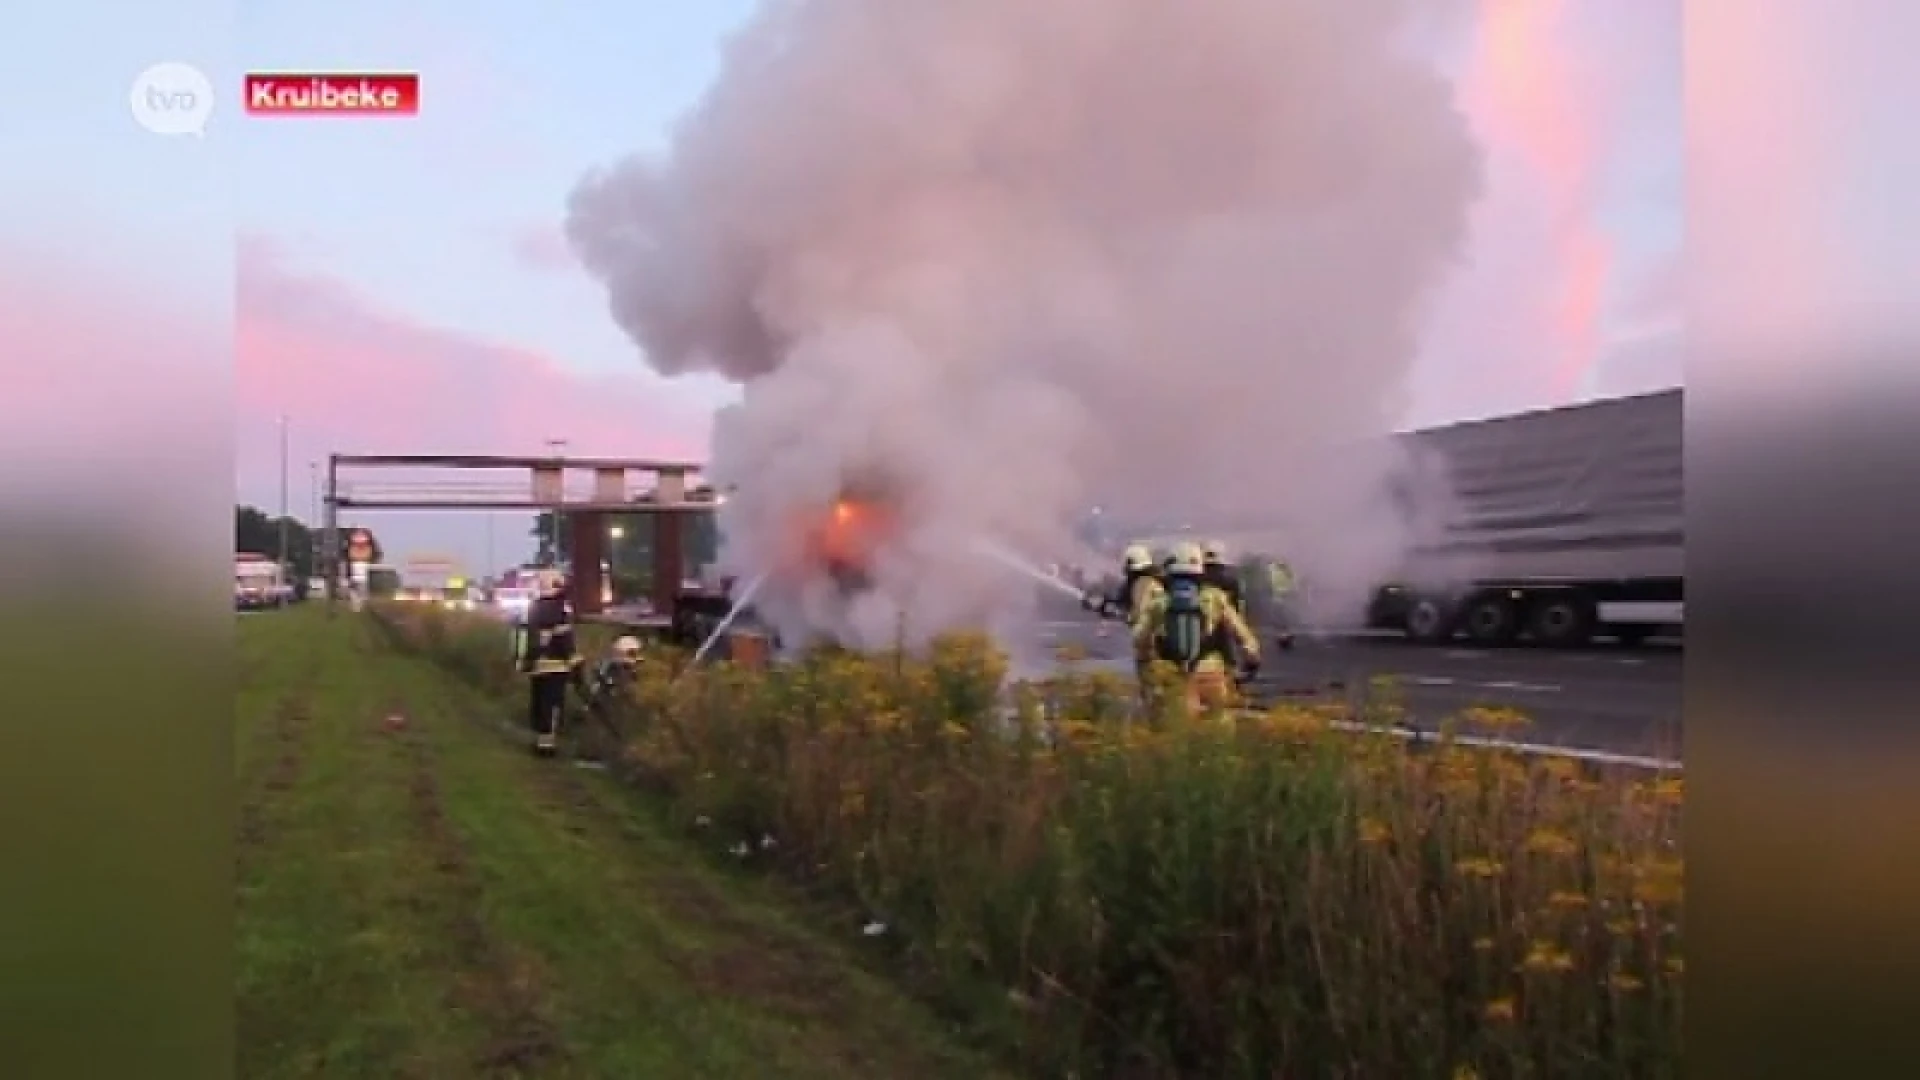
(402, 285)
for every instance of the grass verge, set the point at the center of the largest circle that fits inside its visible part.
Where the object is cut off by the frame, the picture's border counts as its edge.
(1189, 896)
(417, 898)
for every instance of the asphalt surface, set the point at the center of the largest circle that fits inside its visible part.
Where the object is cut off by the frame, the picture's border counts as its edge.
(1604, 698)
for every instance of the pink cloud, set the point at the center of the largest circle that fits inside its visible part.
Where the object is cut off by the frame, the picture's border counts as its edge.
(1569, 99)
(356, 377)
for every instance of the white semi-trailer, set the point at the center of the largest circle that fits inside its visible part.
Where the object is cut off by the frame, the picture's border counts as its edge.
(1558, 527)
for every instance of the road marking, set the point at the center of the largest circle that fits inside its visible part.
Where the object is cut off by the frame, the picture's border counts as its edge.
(1523, 687)
(1599, 757)
(1432, 680)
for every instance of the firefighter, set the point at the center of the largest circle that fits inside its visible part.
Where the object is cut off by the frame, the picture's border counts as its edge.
(614, 674)
(1280, 585)
(1221, 575)
(1194, 626)
(1138, 577)
(551, 660)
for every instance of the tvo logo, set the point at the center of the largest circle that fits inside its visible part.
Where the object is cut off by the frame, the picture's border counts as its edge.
(172, 99)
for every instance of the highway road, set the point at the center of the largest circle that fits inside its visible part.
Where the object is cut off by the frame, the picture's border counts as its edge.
(1613, 700)
(1607, 699)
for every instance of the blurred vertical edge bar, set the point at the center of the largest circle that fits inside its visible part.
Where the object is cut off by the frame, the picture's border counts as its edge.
(116, 481)
(1803, 685)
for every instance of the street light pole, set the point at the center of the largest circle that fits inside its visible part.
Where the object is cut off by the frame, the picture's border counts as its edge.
(314, 564)
(283, 491)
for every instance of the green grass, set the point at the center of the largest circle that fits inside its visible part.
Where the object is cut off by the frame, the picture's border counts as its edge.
(423, 899)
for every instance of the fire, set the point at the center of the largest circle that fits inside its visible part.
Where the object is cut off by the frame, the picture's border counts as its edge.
(845, 538)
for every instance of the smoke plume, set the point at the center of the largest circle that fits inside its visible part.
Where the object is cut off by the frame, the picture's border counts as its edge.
(1008, 259)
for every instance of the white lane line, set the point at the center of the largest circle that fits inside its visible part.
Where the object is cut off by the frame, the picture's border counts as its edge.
(1432, 680)
(1523, 687)
(1600, 757)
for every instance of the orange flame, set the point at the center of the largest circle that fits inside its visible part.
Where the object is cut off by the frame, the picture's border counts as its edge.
(845, 538)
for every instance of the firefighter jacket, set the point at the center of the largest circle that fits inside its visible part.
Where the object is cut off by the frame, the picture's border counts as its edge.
(1280, 579)
(1227, 580)
(1229, 637)
(548, 646)
(1140, 592)
(610, 678)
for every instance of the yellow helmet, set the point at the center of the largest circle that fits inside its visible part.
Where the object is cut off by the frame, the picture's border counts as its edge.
(627, 647)
(1215, 553)
(1187, 558)
(1137, 558)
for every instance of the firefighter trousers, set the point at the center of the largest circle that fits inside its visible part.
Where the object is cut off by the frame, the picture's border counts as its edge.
(546, 700)
(1209, 691)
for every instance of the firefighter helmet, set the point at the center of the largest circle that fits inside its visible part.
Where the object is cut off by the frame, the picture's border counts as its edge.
(1137, 558)
(1187, 558)
(1214, 553)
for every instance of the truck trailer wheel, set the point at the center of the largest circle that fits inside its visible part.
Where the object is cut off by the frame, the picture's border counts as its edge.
(1492, 620)
(1428, 621)
(1562, 621)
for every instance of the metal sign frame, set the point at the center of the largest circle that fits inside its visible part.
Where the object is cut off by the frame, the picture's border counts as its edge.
(533, 484)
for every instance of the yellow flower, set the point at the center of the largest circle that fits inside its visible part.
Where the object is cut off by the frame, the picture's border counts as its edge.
(1549, 842)
(1620, 927)
(1670, 792)
(1624, 984)
(1500, 1010)
(1287, 720)
(1479, 868)
(1566, 901)
(1564, 770)
(1078, 730)
(1662, 881)
(954, 731)
(1494, 718)
(1544, 956)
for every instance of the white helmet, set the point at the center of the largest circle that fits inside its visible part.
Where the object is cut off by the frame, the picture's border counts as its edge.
(1137, 558)
(627, 647)
(1214, 553)
(1187, 558)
